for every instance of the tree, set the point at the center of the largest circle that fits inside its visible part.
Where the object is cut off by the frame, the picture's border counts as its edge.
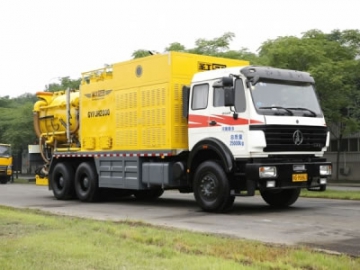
(214, 46)
(140, 53)
(218, 46)
(16, 122)
(65, 83)
(175, 47)
(20, 131)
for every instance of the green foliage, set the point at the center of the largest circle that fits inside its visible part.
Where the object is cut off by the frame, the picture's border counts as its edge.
(16, 122)
(218, 46)
(332, 194)
(175, 47)
(65, 83)
(140, 53)
(303, 53)
(338, 93)
(213, 46)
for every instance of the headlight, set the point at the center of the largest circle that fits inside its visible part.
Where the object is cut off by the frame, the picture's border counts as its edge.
(325, 169)
(267, 172)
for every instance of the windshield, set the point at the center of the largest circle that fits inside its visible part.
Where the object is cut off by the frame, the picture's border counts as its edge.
(4, 151)
(285, 99)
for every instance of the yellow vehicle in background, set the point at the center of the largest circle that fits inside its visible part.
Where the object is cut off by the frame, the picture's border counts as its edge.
(5, 163)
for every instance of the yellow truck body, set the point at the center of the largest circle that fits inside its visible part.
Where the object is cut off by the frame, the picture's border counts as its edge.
(139, 104)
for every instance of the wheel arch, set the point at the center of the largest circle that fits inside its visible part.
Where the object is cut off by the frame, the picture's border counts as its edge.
(210, 149)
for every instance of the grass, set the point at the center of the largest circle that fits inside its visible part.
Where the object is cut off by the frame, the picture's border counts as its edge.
(30, 239)
(332, 194)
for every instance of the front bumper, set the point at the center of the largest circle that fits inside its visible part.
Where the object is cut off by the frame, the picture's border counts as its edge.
(287, 175)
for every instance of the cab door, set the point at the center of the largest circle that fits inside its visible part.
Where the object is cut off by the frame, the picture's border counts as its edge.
(209, 117)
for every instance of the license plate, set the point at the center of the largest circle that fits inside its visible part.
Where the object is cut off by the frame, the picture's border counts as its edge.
(299, 177)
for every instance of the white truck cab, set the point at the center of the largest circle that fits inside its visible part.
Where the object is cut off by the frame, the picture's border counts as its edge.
(264, 127)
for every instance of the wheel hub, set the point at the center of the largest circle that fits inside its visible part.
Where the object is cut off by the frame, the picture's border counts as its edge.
(61, 182)
(207, 187)
(85, 183)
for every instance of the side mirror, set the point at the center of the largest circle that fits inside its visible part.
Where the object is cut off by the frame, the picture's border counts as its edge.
(224, 82)
(229, 96)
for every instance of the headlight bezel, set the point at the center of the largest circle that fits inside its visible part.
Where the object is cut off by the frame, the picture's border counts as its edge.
(325, 170)
(266, 172)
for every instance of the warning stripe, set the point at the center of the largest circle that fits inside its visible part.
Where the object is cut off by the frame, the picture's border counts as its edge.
(77, 155)
(199, 121)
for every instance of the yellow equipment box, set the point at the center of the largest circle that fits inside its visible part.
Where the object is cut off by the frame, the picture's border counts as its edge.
(137, 105)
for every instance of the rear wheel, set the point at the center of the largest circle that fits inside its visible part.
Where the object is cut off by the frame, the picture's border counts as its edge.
(211, 188)
(62, 181)
(87, 183)
(280, 198)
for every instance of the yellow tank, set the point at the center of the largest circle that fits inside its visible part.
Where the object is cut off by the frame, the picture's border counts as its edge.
(50, 118)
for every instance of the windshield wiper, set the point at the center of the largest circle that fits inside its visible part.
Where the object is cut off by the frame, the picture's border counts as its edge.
(278, 107)
(304, 109)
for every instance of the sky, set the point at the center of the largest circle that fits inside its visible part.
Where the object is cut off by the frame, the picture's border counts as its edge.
(43, 40)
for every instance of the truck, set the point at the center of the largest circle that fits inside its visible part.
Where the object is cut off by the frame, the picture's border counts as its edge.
(6, 162)
(215, 127)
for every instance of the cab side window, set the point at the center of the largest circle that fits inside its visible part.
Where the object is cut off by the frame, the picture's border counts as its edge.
(200, 96)
(219, 98)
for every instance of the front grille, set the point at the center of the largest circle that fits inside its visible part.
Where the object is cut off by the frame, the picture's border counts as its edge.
(281, 138)
(3, 169)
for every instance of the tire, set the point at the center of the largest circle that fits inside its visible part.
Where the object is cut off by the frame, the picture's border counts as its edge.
(62, 181)
(87, 183)
(146, 195)
(211, 188)
(227, 206)
(280, 198)
(3, 180)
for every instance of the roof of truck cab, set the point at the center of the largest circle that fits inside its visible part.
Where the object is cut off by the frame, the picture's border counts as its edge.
(216, 74)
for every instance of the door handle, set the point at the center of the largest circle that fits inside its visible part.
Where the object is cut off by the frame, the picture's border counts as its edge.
(212, 123)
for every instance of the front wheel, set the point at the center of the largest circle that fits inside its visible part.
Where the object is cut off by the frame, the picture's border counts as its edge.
(211, 188)
(280, 198)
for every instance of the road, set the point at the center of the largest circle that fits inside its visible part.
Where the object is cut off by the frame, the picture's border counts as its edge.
(320, 223)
